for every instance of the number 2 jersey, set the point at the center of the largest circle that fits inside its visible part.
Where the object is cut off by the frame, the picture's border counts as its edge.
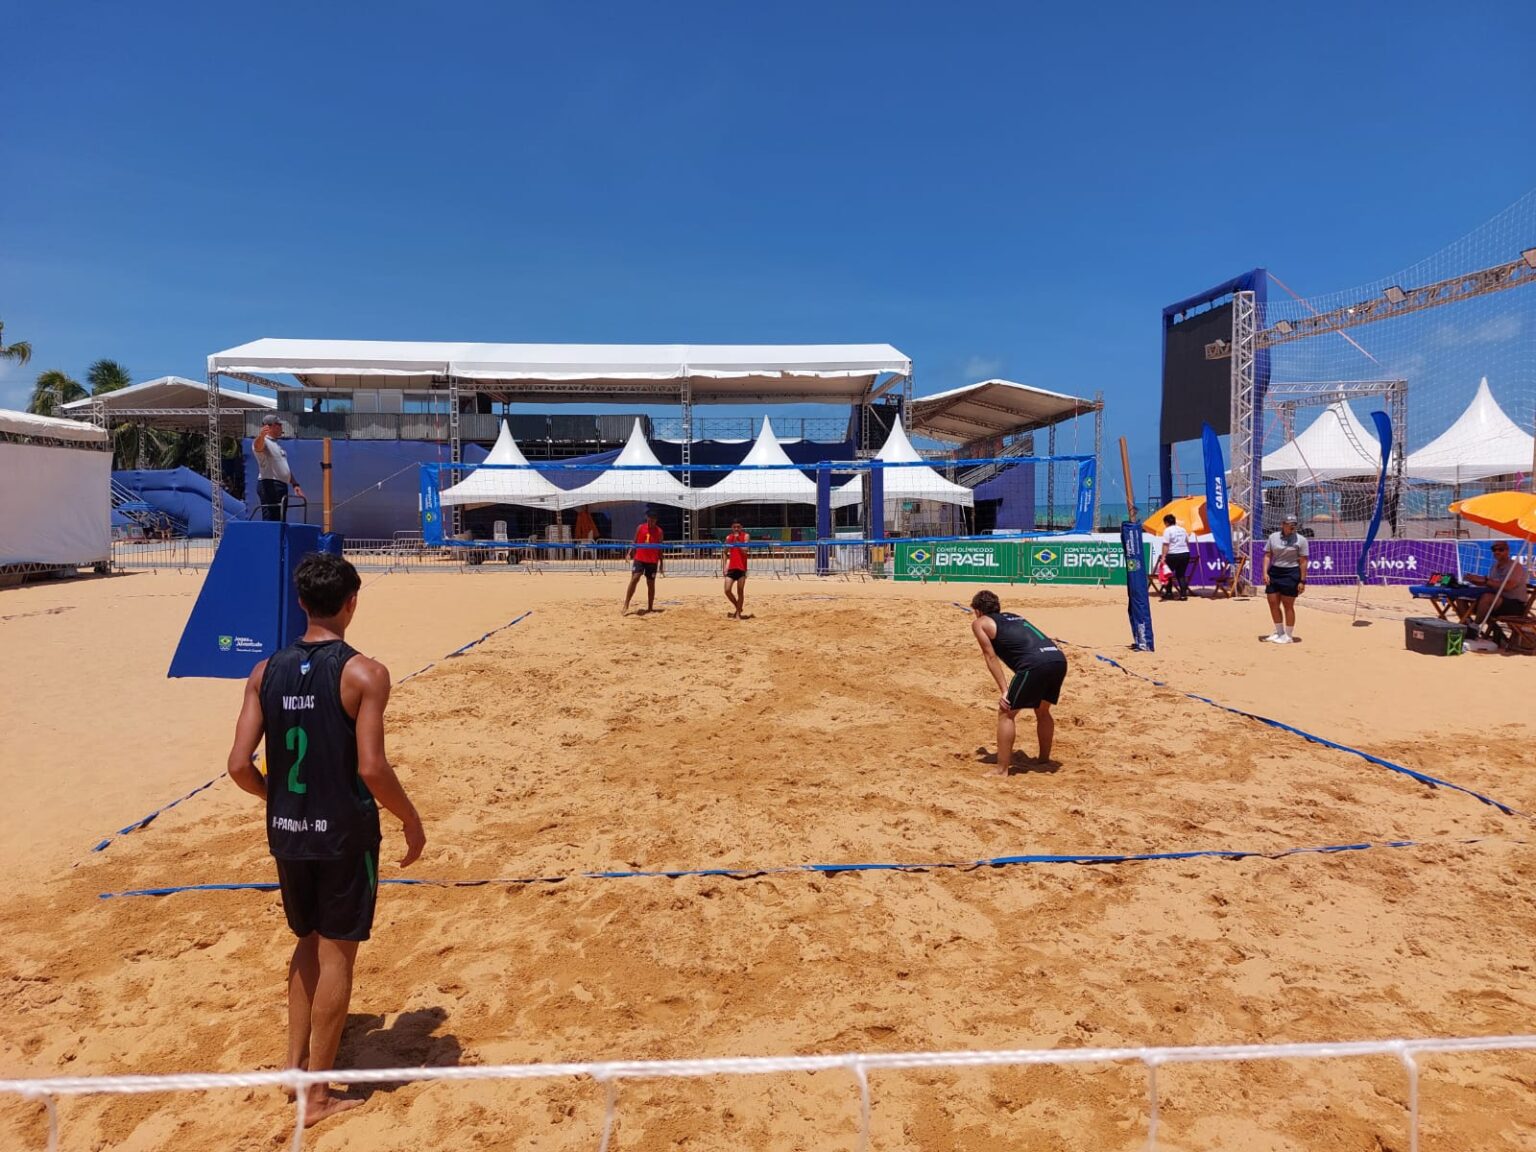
(318, 807)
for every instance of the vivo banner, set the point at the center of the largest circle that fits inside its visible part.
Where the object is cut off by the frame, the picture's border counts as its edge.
(1338, 561)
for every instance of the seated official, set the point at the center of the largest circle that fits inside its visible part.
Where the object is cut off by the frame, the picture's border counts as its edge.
(1505, 586)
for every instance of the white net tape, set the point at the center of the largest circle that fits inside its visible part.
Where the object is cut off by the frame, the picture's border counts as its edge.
(609, 1074)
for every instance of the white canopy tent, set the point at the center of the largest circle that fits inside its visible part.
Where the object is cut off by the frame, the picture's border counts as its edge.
(636, 475)
(749, 485)
(507, 485)
(915, 483)
(55, 507)
(1334, 446)
(1483, 442)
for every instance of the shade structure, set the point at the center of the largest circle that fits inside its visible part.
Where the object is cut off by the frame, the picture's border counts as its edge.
(993, 408)
(1189, 513)
(636, 475)
(521, 486)
(172, 402)
(637, 373)
(919, 482)
(1334, 446)
(1483, 442)
(27, 425)
(755, 482)
(1512, 513)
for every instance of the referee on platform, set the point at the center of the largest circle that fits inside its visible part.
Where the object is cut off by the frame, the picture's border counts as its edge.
(272, 471)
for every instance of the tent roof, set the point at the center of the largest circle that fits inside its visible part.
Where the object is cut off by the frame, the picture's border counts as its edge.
(916, 483)
(1333, 446)
(1483, 442)
(511, 486)
(637, 373)
(173, 402)
(50, 428)
(653, 485)
(747, 485)
(992, 408)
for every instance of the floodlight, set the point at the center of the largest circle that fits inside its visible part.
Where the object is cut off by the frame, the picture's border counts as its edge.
(1395, 295)
(1529, 256)
(1283, 327)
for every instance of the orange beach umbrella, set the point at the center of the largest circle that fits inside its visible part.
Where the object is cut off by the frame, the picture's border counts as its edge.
(1189, 513)
(1512, 513)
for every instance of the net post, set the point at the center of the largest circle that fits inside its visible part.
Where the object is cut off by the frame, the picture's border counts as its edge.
(823, 519)
(455, 447)
(1098, 450)
(876, 500)
(212, 456)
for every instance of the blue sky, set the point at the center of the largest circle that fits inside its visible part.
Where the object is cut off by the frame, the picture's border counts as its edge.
(1011, 189)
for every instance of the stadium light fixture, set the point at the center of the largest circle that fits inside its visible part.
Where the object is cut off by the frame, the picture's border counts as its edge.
(1283, 327)
(1395, 295)
(1529, 256)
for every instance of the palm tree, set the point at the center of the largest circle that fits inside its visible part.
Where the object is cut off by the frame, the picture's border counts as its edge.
(20, 351)
(52, 390)
(107, 376)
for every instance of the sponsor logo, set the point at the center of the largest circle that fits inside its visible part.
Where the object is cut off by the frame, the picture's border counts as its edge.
(226, 643)
(919, 555)
(430, 517)
(1406, 564)
(966, 559)
(1106, 559)
(1221, 493)
(1045, 556)
(1046, 574)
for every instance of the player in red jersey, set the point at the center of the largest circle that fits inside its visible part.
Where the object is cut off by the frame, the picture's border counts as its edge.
(647, 560)
(734, 563)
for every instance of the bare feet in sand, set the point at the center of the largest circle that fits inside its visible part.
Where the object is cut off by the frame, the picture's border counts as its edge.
(323, 1106)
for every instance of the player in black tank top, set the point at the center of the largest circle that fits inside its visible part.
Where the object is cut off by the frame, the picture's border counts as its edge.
(1029, 670)
(317, 806)
(320, 705)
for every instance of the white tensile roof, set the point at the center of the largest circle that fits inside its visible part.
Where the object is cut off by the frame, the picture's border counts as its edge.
(652, 485)
(1334, 446)
(769, 486)
(916, 483)
(50, 427)
(169, 392)
(506, 486)
(1483, 442)
(638, 373)
(992, 408)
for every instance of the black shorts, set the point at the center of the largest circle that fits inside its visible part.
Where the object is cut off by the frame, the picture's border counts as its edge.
(1039, 680)
(332, 897)
(1284, 582)
(646, 567)
(735, 573)
(1509, 606)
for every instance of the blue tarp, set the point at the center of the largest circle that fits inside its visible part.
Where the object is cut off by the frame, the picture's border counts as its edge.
(180, 493)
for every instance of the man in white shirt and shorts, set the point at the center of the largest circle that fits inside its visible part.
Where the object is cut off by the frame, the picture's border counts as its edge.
(272, 472)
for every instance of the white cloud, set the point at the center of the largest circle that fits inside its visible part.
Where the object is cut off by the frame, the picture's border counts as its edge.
(981, 368)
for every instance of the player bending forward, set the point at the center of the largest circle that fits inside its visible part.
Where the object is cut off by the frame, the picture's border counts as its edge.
(1029, 670)
(734, 561)
(321, 704)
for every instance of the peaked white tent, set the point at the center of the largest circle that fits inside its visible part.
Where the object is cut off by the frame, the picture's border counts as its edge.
(747, 485)
(627, 479)
(1334, 446)
(511, 486)
(917, 483)
(1483, 442)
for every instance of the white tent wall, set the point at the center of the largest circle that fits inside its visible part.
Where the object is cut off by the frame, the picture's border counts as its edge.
(636, 475)
(917, 482)
(754, 481)
(1484, 442)
(55, 506)
(1334, 446)
(510, 485)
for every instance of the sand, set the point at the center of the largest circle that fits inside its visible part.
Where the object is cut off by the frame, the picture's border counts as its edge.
(841, 724)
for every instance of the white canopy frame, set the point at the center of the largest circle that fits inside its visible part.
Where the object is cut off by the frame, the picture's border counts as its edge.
(913, 480)
(761, 478)
(512, 483)
(686, 374)
(1483, 443)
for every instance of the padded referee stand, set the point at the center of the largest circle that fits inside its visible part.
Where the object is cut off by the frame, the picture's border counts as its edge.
(248, 608)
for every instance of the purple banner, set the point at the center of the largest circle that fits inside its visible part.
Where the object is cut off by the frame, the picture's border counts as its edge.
(1335, 561)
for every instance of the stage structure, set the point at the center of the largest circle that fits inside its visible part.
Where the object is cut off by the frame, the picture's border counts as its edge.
(1252, 347)
(653, 374)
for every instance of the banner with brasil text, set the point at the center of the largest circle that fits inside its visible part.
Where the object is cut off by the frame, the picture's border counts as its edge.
(1013, 561)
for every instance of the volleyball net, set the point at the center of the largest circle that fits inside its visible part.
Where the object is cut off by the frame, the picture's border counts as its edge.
(859, 1066)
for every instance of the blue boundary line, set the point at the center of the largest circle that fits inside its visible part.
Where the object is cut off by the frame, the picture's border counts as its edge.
(101, 846)
(745, 873)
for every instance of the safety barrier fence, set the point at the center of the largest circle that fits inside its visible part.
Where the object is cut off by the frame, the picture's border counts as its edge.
(859, 1066)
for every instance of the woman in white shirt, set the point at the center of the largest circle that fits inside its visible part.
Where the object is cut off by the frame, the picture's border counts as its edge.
(1176, 553)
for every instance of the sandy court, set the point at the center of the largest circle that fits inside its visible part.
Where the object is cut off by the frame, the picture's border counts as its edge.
(841, 724)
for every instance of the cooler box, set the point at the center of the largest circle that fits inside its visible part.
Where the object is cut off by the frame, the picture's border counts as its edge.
(1434, 637)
